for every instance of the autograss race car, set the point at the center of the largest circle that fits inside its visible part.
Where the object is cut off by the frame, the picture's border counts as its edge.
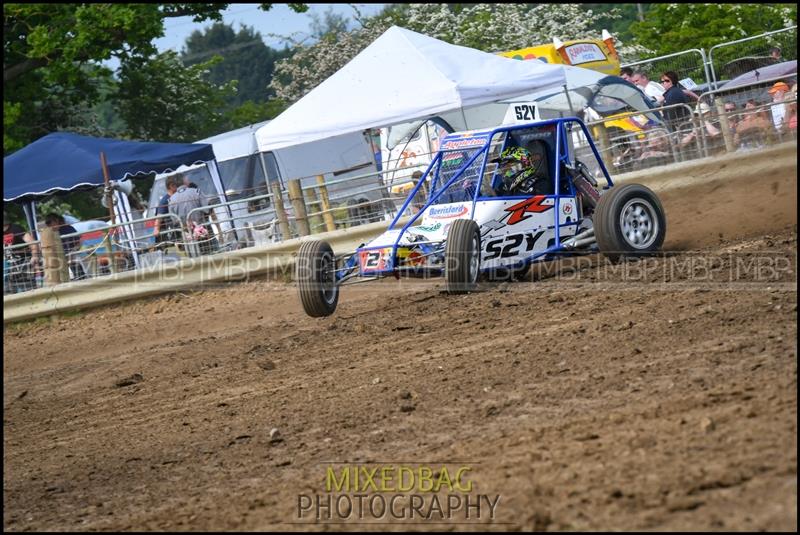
(497, 200)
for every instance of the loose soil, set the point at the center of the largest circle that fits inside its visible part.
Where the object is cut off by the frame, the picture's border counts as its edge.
(652, 395)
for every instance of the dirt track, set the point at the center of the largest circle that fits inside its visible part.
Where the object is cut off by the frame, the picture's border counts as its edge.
(587, 400)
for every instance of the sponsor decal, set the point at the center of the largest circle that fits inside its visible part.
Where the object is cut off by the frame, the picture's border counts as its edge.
(519, 211)
(584, 53)
(451, 144)
(566, 208)
(452, 157)
(447, 212)
(414, 258)
(428, 228)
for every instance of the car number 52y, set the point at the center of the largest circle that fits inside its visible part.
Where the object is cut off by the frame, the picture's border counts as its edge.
(525, 112)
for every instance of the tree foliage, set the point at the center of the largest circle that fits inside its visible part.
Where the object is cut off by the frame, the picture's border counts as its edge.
(163, 100)
(616, 18)
(670, 28)
(245, 58)
(488, 27)
(53, 52)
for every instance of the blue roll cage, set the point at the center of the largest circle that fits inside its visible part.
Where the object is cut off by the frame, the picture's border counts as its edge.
(562, 157)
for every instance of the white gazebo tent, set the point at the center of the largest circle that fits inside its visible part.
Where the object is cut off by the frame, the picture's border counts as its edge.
(401, 77)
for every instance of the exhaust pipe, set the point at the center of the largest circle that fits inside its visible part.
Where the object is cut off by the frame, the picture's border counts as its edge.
(579, 240)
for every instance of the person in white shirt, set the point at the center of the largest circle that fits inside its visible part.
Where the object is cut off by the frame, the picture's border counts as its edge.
(654, 90)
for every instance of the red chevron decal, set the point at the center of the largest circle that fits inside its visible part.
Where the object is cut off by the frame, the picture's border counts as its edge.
(534, 204)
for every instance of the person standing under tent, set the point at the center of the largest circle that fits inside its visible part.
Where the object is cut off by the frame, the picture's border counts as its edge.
(19, 263)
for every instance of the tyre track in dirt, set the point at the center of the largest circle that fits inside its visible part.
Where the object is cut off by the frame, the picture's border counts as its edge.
(586, 401)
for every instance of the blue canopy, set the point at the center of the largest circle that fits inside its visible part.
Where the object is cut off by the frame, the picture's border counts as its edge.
(62, 162)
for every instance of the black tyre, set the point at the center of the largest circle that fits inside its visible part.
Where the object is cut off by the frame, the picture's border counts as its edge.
(462, 255)
(316, 278)
(629, 221)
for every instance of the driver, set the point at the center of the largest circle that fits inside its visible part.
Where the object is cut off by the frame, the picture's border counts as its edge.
(523, 171)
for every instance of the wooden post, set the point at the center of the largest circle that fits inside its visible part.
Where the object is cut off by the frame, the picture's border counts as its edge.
(727, 135)
(280, 212)
(605, 146)
(299, 205)
(330, 224)
(54, 262)
(315, 221)
(110, 199)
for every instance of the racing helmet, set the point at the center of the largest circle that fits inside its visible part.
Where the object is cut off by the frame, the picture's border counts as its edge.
(520, 168)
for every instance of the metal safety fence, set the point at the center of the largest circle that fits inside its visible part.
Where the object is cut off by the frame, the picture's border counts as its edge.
(96, 252)
(701, 71)
(22, 268)
(727, 120)
(729, 60)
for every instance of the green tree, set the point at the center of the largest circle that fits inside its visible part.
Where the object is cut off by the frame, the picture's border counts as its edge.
(52, 55)
(245, 58)
(488, 27)
(670, 28)
(162, 100)
(251, 112)
(616, 18)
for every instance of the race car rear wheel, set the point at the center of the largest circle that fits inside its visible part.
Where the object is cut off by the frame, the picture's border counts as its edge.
(629, 221)
(462, 255)
(316, 278)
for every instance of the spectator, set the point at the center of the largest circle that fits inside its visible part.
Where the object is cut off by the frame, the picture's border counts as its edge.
(650, 88)
(790, 125)
(656, 150)
(778, 109)
(689, 93)
(20, 262)
(182, 203)
(163, 229)
(713, 130)
(751, 130)
(626, 73)
(656, 91)
(775, 53)
(791, 110)
(70, 244)
(733, 117)
(189, 184)
(672, 96)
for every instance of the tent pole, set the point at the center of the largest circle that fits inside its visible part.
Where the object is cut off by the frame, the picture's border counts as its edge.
(569, 100)
(123, 208)
(110, 199)
(30, 215)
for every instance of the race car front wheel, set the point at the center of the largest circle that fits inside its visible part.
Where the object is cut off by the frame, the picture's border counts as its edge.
(462, 255)
(316, 278)
(629, 221)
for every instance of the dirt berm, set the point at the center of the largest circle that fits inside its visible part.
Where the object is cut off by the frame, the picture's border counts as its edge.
(650, 395)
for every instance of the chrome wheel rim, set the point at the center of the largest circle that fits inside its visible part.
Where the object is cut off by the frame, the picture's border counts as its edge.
(474, 260)
(639, 223)
(327, 279)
